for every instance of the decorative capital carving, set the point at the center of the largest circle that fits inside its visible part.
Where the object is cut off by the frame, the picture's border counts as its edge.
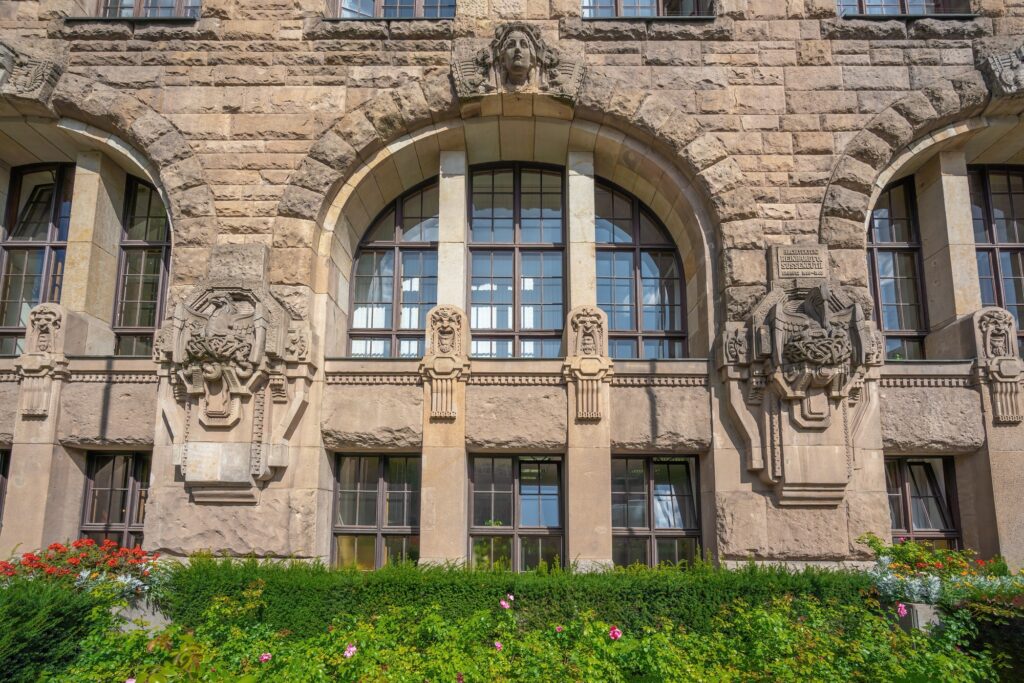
(587, 364)
(42, 360)
(518, 59)
(27, 75)
(998, 362)
(1005, 73)
(796, 372)
(446, 361)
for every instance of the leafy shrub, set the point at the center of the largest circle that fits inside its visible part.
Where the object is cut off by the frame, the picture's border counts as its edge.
(301, 597)
(42, 625)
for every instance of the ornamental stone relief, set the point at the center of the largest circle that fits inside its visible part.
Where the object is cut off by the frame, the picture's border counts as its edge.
(587, 364)
(518, 59)
(1005, 73)
(237, 363)
(998, 362)
(26, 75)
(446, 361)
(801, 380)
(42, 362)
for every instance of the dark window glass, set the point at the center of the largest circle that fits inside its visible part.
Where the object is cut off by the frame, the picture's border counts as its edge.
(517, 261)
(377, 510)
(150, 9)
(5, 468)
(392, 9)
(516, 516)
(115, 497)
(655, 516)
(596, 9)
(903, 7)
(33, 248)
(997, 207)
(639, 279)
(145, 251)
(894, 253)
(394, 281)
(922, 500)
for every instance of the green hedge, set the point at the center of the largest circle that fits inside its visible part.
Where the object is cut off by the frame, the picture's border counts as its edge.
(42, 625)
(302, 598)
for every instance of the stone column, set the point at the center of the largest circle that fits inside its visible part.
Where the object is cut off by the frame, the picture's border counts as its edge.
(580, 209)
(451, 247)
(588, 458)
(444, 489)
(950, 274)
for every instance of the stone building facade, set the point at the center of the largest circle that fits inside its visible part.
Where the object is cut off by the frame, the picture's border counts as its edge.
(519, 283)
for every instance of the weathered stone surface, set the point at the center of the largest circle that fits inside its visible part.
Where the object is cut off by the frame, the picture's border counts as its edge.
(8, 410)
(497, 418)
(372, 417)
(660, 419)
(100, 414)
(806, 534)
(740, 524)
(933, 420)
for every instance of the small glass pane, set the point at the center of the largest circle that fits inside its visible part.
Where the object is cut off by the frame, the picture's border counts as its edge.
(676, 551)
(628, 551)
(401, 549)
(356, 551)
(492, 552)
(535, 550)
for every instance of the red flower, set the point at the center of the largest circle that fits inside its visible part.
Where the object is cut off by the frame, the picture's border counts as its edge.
(938, 565)
(111, 563)
(58, 547)
(74, 561)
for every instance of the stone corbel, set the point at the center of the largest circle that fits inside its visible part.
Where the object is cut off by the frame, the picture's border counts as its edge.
(446, 362)
(998, 362)
(1005, 73)
(587, 365)
(29, 76)
(42, 362)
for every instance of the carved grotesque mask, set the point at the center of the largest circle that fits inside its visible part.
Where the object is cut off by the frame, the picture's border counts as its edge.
(445, 332)
(517, 56)
(45, 322)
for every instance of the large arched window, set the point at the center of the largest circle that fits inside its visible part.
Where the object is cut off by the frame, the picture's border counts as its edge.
(517, 257)
(894, 253)
(997, 203)
(34, 246)
(395, 278)
(639, 279)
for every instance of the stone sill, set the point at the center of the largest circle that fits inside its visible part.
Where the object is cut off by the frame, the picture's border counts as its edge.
(637, 20)
(515, 366)
(133, 20)
(386, 20)
(110, 364)
(910, 17)
(928, 368)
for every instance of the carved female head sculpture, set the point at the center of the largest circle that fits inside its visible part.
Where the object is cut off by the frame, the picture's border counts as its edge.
(518, 56)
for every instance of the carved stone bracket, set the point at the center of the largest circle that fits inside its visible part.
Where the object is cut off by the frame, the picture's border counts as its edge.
(998, 362)
(42, 362)
(517, 60)
(26, 75)
(447, 359)
(1005, 73)
(239, 367)
(587, 364)
(797, 374)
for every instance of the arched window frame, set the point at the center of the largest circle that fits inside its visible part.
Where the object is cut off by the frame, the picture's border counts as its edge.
(135, 339)
(395, 333)
(637, 248)
(53, 249)
(549, 338)
(902, 342)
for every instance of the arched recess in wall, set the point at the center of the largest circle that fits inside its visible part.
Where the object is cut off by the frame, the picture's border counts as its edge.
(695, 168)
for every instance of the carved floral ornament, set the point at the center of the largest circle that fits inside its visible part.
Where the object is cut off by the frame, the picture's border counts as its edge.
(518, 59)
(27, 75)
(999, 363)
(800, 378)
(587, 364)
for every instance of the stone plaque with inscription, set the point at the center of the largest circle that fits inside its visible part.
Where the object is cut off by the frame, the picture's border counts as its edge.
(799, 262)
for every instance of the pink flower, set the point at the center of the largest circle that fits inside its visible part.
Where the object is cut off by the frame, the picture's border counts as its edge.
(129, 680)
(459, 678)
(510, 597)
(350, 650)
(265, 657)
(504, 604)
(559, 629)
(614, 633)
(901, 609)
(498, 646)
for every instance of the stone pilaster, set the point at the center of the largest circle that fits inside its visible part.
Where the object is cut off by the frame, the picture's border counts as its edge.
(580, 211)
(451, 246)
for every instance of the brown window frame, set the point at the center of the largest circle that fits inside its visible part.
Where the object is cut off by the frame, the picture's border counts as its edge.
(128, 245)
(517, 248)
(651, 533)
(912, 247)
(994, 248)
(396, 246)
(336, 10)
(861, 8)
(638, 248)
(132, 528)
(5, 469)
(52, 275)
(141, 9)
(951, 505)
(701, 9)
(516, 531)
(381, 530)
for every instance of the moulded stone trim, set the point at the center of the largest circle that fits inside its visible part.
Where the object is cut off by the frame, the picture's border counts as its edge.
(905, 382)
(114, 377)
(376, 378)
(620, 380)
(516, 380)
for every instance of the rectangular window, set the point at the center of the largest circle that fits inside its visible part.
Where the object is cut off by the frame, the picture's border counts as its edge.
(392, 9)
(922, 500)
(601, 9)
(150, 9)
(655, 511)
(115, 497)
(33, 247)
(516, 512)
(5, 466)
(145, 248)
(377, 509)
